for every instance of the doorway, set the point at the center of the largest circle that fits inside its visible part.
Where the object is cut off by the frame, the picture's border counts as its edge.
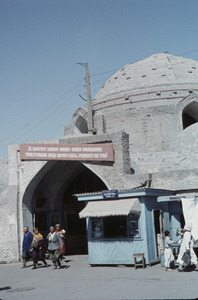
(43, 220)
(159, 231)
(85, 182)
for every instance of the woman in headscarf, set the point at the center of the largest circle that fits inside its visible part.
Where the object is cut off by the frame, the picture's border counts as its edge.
(38, 248)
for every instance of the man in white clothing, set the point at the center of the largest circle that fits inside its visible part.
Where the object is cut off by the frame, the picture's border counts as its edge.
(187, 245)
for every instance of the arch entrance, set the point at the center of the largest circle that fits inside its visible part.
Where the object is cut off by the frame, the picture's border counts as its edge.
(50, 200)
(190, 114)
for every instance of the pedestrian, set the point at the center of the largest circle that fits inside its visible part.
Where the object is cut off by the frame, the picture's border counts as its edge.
(38, 248)
(27, 241)
(187, 247)
(168, 252)
(61, 232)
(54, 242)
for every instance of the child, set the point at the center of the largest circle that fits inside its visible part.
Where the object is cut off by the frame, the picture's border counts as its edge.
(168, 252)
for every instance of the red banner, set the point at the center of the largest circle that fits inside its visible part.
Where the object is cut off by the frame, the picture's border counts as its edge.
(81, 152)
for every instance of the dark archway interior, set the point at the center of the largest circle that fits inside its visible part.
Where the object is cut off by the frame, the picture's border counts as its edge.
(190, 115)
(85, 182)
(53, 202)
(188, 120)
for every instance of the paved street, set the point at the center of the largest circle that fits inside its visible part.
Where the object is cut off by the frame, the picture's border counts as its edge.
(77, 280)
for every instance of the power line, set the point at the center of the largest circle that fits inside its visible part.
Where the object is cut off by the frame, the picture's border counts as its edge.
(51, 106)
(54, 103)
(92, 75)
(60, 119)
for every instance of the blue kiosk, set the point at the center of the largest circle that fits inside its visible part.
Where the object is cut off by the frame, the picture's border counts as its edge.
(123, 223)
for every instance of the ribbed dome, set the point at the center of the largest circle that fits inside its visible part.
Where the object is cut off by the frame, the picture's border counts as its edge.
(159, 72)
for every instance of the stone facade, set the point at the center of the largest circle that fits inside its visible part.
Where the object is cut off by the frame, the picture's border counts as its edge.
(148, 111)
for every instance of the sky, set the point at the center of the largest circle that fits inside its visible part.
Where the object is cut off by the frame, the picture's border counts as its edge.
(41, 42)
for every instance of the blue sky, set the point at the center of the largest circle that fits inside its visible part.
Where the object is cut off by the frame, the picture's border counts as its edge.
(42, 41)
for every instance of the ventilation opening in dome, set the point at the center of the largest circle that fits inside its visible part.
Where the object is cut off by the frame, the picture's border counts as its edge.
(81, 125)
(190, 115)
(187, 120)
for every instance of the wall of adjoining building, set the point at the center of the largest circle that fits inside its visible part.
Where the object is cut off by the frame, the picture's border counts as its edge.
(8, 216)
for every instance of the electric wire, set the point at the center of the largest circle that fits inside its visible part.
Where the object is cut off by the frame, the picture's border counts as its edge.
(105, 72)
(39, 120)
(43, 112)
(61, 116)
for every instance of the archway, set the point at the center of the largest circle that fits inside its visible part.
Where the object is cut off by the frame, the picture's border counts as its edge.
(52, 201)
(190, 114)
(85, 182)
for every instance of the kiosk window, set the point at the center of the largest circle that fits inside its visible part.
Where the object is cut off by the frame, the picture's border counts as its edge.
(134, 230)
(97, 230)
(115, 226)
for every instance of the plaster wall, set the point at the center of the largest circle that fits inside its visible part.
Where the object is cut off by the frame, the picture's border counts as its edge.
(105, 170)
(8, 216)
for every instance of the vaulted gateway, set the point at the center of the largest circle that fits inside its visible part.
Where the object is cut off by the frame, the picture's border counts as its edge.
(49, 199)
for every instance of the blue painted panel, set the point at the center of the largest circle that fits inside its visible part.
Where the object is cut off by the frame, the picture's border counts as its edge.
(151, 240)
(144, 230)
(175, 208)
(114, 252)
(167, 224)
(175, 225)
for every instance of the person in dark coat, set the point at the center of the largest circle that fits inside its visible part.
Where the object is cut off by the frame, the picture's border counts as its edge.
(27, 242)
(61, 232)
(38, 248)
(54, 241)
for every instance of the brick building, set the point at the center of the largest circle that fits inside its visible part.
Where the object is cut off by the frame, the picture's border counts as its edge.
(148, 110)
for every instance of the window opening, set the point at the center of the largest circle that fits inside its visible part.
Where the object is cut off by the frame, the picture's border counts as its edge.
(190, 115)
(187, 120)
(97, 231)
(81, 125)
(134, 230)
(115, 227)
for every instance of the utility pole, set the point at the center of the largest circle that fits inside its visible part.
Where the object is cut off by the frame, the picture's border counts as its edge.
(89, 101)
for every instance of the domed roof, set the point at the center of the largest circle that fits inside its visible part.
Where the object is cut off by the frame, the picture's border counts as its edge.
(157, 73)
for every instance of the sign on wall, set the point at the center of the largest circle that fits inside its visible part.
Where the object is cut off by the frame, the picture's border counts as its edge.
(80, 152)
(110, 194)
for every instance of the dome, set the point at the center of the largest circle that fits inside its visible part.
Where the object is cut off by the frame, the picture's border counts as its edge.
(160, 76)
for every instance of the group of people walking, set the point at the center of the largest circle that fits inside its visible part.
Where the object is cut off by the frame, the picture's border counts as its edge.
(186, 256)
(35, 249)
